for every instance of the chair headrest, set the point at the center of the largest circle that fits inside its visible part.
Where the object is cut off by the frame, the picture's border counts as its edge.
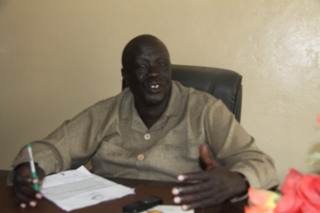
(221, 83)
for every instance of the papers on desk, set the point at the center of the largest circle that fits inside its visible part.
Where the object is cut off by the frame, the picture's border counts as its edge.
(167, 209)
(79, 188)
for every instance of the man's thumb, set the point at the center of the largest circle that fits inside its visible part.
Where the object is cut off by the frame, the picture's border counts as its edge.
(208, 161)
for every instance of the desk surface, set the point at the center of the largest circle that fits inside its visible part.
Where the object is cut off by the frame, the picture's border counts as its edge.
(142, 189)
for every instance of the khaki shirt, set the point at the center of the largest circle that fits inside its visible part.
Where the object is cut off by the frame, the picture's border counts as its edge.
(114, 137)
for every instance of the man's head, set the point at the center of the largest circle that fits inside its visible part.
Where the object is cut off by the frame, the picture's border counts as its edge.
(146, 69)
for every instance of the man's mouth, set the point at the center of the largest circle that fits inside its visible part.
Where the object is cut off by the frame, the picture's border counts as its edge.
(154, 86)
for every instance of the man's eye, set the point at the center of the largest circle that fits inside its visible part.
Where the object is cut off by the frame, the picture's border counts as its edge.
(142, 66)
(162, 64)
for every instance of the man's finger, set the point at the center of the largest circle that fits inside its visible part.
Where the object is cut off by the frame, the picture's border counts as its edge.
(26, 190)
(195, 188)
(197, 176)
(22, 199)
(200, 204)
(24, 180)
(191, 198)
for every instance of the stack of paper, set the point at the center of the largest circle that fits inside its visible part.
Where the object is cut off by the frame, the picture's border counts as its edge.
(79, 188)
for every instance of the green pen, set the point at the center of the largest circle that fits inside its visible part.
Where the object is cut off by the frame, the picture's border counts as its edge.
(33, 169)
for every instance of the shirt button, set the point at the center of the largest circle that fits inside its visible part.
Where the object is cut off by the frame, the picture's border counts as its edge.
(147, 136)
(140, 157)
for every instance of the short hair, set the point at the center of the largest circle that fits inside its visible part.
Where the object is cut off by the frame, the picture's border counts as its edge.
(135, 42)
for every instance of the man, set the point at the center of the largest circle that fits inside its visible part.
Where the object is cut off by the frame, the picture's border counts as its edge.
(158, 130)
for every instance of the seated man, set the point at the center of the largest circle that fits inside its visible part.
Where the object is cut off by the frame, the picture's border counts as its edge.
(156, 129)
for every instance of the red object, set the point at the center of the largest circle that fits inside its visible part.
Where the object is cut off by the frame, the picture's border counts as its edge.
(289, 203)
(309, 191)
(291, 181)
(261, 201)
(256, 209)
(301, 194)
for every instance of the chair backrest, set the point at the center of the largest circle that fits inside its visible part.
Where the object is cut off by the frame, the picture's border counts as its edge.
(221, 83)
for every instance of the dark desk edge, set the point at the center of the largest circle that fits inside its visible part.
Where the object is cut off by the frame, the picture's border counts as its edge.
(125, 180)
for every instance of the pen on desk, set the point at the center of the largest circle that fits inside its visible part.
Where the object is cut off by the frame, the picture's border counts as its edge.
(33, 169)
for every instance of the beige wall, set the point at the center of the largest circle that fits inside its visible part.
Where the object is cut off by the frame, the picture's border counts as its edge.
(59, 57)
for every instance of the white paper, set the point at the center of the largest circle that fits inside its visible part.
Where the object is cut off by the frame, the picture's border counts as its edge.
(79, 188)
(168, 209)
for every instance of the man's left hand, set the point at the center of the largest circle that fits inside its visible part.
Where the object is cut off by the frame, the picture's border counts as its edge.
(213, 186)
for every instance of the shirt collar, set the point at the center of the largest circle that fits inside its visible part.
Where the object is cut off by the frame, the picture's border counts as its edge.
(128, 111)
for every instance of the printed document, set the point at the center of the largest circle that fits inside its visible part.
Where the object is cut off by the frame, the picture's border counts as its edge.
(79, 188)
(167, 209)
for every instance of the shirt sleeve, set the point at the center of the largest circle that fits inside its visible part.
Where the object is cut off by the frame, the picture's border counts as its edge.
(69, 146)
(236, 150)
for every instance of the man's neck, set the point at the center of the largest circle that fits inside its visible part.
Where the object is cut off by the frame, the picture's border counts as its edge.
(151, 114)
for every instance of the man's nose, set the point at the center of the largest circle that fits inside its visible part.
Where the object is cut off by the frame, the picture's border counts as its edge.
(153, 71)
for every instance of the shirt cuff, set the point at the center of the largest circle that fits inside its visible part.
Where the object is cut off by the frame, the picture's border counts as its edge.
(239, 198)
(244, 196)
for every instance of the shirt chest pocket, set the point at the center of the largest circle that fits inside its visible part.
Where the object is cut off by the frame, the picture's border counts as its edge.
(176, 152)
(110, 148)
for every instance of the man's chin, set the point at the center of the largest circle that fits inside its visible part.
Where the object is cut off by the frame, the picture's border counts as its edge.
(152, 103)
(155, 100)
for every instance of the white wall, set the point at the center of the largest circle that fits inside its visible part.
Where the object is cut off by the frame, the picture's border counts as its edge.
(59, 57)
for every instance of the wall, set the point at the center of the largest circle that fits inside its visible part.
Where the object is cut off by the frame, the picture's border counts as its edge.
(59, 57)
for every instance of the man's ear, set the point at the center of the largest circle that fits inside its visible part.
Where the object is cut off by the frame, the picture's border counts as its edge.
(124, 76)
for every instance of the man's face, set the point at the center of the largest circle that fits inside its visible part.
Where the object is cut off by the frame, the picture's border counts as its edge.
(148, 74)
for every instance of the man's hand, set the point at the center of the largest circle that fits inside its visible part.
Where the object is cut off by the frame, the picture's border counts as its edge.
(214, 185)
(24, 193)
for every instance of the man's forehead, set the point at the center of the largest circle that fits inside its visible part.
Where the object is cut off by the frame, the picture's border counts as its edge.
(143, 45)
(147, 49)
(147, 45)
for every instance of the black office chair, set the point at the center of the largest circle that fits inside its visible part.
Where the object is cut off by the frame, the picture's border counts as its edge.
(221, 83)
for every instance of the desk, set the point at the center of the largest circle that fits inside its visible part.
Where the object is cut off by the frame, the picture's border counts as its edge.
(142, 189)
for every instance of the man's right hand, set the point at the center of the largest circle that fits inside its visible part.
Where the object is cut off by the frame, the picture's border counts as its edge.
(24, 193)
